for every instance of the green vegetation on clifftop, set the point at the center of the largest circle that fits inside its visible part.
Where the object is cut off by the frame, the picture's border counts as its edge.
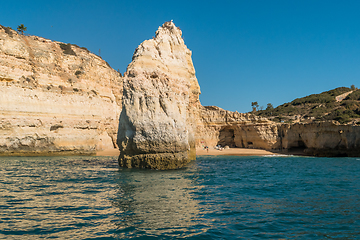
(318, 107)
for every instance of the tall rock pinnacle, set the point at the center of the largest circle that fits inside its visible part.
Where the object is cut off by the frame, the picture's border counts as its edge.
(160, 104)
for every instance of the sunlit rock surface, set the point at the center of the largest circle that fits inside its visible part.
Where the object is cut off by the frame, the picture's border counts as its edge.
(220, 127)
(217, 126)
(55, 98)
(327, 139)
(58, 98)
(160, 104)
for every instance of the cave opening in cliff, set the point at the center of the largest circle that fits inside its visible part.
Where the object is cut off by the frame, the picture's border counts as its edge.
(299, 145)
(226, 137)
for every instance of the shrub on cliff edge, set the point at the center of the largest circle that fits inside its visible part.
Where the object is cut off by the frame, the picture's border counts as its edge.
(67, 49)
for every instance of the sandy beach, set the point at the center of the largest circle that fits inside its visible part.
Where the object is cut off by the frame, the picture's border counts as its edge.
(234, 151)
(109, 152)
(200, 152)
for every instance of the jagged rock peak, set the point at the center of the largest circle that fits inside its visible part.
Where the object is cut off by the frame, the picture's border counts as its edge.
(168, 28)
(165, 51)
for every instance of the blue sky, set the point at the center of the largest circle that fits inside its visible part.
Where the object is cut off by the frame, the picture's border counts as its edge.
(269, 51)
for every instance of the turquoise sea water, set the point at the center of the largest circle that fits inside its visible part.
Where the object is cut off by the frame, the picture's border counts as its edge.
(212, 198)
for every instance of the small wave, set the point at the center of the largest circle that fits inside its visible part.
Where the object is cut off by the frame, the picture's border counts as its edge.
(278, 155)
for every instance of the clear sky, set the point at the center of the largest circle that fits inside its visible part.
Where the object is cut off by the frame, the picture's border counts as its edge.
(269, 51)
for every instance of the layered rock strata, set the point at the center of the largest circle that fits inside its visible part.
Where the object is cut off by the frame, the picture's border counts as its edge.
(55, 98)
(160, 104)
(326, 139)
(58, 98)
(219, 127)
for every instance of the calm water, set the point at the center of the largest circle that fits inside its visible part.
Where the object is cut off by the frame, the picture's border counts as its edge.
(213, 198)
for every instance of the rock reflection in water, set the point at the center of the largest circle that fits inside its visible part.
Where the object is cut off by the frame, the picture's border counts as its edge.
(155, 201)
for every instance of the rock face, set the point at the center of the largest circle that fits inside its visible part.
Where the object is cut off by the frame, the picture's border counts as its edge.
(160, 104)
(326, 139)
(58, 98)
(217, 126)
(55, 98)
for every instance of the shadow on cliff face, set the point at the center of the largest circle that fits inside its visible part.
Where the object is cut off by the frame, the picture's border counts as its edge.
(299, 146)
(126, 131)
(227, 137)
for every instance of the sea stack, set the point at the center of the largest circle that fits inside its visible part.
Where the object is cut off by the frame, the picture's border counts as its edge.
(160, 104)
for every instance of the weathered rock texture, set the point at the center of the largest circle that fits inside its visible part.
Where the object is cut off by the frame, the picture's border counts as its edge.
(321, 139)
(217, 126)
(58, 98)
(160, 104)
(55, 98)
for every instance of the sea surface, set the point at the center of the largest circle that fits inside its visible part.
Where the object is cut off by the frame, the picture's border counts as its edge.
(219, 197)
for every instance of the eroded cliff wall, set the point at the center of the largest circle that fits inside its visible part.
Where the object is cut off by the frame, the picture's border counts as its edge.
(220, 127)
(160, 104)
(55, 98)
(321, 139)
(217, 126)
(58, 98)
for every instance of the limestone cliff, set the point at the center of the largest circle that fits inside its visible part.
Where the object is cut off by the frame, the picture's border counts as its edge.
(58, 98)
(55, 98)
(321, 139)
(326, 138)
(217, 126)
(160, 104)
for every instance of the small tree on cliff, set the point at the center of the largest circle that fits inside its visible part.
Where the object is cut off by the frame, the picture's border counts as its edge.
(269, 107)
(254, 106)
(21, 28)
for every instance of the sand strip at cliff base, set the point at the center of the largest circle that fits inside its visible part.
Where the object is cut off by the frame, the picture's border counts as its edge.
(109, 152)
(234, 151)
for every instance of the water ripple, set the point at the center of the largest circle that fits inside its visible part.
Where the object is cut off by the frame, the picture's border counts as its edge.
(213, 198)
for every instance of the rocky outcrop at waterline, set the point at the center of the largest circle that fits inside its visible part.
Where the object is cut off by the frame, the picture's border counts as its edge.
(160, 104)
(55, 98)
